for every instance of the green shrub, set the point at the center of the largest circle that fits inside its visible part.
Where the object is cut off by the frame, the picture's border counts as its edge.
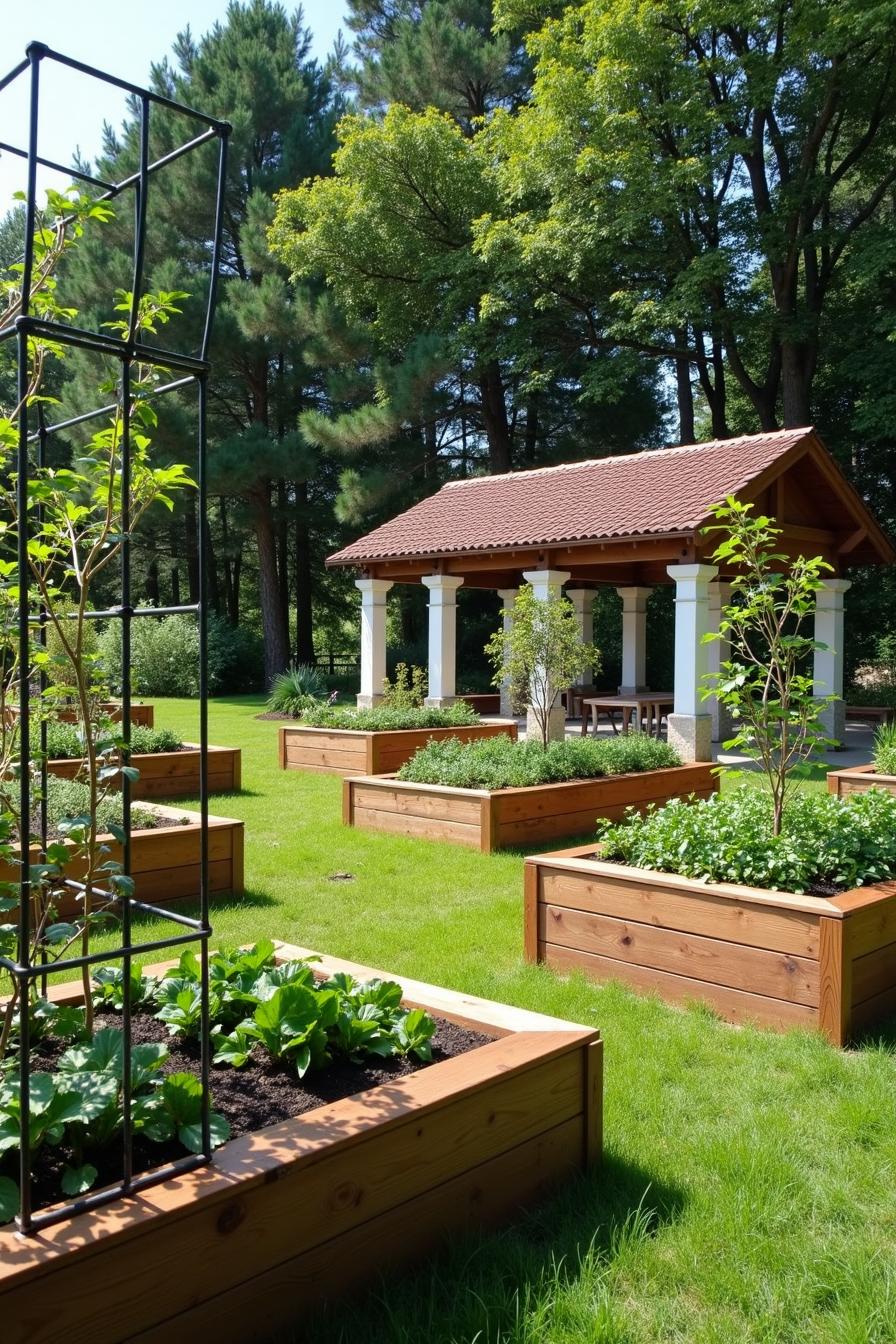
(71, 798)
(727, 838)
(165, 656)
(882, 694)
(885, 749)
(65, 743)
(500, 763)
(383, 718)
(297, 689)
(235, 658)
(408, 690)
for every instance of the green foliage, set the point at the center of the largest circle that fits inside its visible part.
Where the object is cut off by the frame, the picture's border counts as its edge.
(297, 689)
(766, 683)
(885, 749)
(540, 655)
(65, 741)
(407, 690)
(383, 718)
(499, 763)
(823, 841)
(174, 1110)
(165, 656)
(109, 989)
(68, 800)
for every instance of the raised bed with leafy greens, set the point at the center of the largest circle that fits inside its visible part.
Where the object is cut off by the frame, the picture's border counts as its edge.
(387, 718)
(262, 1014)
(826, 843)
(499, 763)
(65, 741)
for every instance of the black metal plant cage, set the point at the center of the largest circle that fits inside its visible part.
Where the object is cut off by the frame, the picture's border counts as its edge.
(191, 371)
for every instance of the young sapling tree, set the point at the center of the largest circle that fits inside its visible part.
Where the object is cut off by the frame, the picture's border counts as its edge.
(540, 654)
(766, 683)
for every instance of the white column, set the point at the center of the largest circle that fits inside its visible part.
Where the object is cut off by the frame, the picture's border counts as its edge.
(719, 651)
(634, 639)
(583, 601)
(828, 662)
(690, 727)
(545, 583)
(373, 640)
(508, 597)
(442, 638)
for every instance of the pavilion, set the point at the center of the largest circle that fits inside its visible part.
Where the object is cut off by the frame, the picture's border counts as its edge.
(632, 522)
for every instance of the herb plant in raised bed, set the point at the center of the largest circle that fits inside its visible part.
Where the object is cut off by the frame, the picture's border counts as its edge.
(167, 766)
(879, 774)
(340, 739)
(762, 902)
(501, 793)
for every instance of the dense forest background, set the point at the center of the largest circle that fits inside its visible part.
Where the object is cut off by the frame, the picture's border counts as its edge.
(490, 236)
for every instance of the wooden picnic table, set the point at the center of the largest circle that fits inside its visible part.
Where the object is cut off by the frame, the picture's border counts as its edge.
(651, 705)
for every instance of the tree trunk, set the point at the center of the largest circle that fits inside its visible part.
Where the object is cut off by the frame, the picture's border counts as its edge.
(531, 437)
(494, 417)
(283, 550)
(686, 432)
(796, 363)
(191, 550)
(304, 616)
(153, 595)
(274, 630)
(175, 585)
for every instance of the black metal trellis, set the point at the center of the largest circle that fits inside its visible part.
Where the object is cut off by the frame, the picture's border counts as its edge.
(194, 368)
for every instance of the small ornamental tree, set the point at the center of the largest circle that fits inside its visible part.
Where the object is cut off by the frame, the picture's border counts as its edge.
(766, 683)
(75, 521)
(540, 654)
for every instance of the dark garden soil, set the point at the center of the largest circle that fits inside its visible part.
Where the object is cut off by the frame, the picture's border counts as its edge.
(140, 820)
(261, 1093)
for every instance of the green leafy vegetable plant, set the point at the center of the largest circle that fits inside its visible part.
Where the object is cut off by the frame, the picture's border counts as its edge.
(500, 763)
(824, 842)
(885, 749)
(388, 718)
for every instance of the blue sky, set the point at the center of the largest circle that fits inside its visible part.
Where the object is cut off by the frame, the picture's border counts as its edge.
(121, 36)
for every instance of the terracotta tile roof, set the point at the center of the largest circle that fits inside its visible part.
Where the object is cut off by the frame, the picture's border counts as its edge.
(657, 492)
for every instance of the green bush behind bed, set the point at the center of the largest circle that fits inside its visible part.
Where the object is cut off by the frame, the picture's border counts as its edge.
(825, 841)
(500, 763)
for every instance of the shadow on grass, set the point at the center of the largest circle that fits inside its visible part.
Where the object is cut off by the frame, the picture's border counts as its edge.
(483, 1286)
(882, 1036)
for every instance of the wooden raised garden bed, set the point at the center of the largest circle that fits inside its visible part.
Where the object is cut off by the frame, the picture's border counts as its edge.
(859, 779)
(768, 956)
(143, 716)
(490, 819)
(172, 774)
(165, 860)
(317, 1205)
(349, 751)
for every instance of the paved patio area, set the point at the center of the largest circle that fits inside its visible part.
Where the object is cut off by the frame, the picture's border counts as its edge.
(858, 749)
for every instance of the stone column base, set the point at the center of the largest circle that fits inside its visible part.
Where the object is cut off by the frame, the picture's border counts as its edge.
(691, 736)
(439, 701)
(368, 701)
(556, 726)
(833, 721)
(506, 706)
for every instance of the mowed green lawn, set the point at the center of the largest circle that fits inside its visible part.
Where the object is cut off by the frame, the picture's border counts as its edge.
(748, 1193)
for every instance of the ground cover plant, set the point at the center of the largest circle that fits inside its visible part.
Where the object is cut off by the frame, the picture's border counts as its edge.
(65, 741)
(741, 1196)
(825, 844)
(388, 718)
(500, 763)
(283, 1013)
